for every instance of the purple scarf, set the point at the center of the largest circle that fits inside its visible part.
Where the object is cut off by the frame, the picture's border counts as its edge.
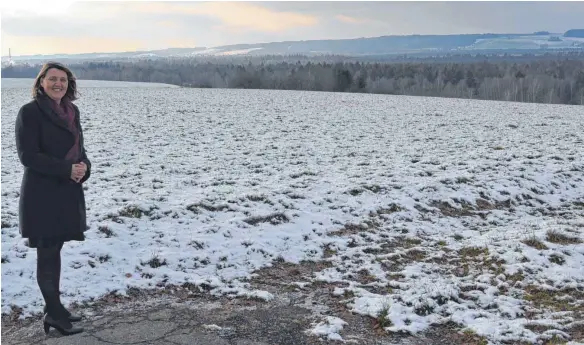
(67, 113)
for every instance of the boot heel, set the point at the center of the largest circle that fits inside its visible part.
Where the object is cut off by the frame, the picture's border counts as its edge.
(63, 326)
(47, 327)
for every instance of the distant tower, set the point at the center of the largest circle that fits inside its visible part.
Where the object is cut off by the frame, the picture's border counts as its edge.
(9, 62)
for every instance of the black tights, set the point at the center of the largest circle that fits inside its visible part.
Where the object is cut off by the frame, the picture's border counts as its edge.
(48, 278)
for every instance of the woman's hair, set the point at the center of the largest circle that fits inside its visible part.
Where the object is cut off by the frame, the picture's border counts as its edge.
(71, 93)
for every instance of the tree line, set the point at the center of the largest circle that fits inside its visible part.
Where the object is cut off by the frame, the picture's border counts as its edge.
(558, 81)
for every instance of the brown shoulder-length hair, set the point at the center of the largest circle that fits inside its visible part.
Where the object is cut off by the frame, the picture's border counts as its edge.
(71, 93)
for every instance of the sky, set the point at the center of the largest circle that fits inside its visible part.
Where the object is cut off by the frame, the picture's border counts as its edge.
(68, 27)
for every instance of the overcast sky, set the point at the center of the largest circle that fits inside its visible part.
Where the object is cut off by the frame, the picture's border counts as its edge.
(33, 27)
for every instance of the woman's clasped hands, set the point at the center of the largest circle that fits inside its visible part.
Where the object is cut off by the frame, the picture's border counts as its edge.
(78, 171)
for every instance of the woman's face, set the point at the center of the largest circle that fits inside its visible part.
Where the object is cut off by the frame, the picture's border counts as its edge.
(55, 83)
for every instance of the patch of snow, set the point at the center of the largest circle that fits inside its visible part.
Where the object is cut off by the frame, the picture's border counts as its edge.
(145, 55)
(238, 51)
(301, 285)
(213, 327)
(329, 328)
(263, 295)
(209, 51)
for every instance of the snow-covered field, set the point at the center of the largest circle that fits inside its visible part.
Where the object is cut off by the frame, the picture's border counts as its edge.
(431, 210)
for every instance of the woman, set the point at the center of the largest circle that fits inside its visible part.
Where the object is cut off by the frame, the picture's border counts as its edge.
(49, 141)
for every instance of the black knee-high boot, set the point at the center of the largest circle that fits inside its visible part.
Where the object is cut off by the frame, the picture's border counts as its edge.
(48, 271)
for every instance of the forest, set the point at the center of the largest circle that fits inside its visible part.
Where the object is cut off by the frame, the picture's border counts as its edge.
(543, 80)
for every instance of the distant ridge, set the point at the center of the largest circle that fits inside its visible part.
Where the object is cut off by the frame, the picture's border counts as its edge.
(575, 33)
(381, 45)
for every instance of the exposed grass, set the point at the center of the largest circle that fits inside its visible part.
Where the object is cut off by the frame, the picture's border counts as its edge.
(556, 300)
(535, 243)
(374, 188)
(471, 338)
(557, 259)
(383, 317)
(155, 262)
(466, 210)
(567, 301)
(304, 173)
(409, 242)
(256, 198)
(473, 251)
(560, 238)
(349, 229)
(212, 208)
(274, 218)
(328, 252)
(392, 208)
(106, 231)
(414, 255)
(282, 272)
(133, 212)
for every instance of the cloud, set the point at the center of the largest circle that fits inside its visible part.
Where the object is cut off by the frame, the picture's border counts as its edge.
(350, 20)
(169, 24)
(179, 43)
(30, 45)
(100, 10)
(35, 7)
(95, 21)
(236, 15)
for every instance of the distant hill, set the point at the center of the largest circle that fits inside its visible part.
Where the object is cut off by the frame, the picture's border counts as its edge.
(383, 45)
(575, 33)
(362, 46)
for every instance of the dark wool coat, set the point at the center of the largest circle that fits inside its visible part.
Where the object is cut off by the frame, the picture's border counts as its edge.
(51, 204)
